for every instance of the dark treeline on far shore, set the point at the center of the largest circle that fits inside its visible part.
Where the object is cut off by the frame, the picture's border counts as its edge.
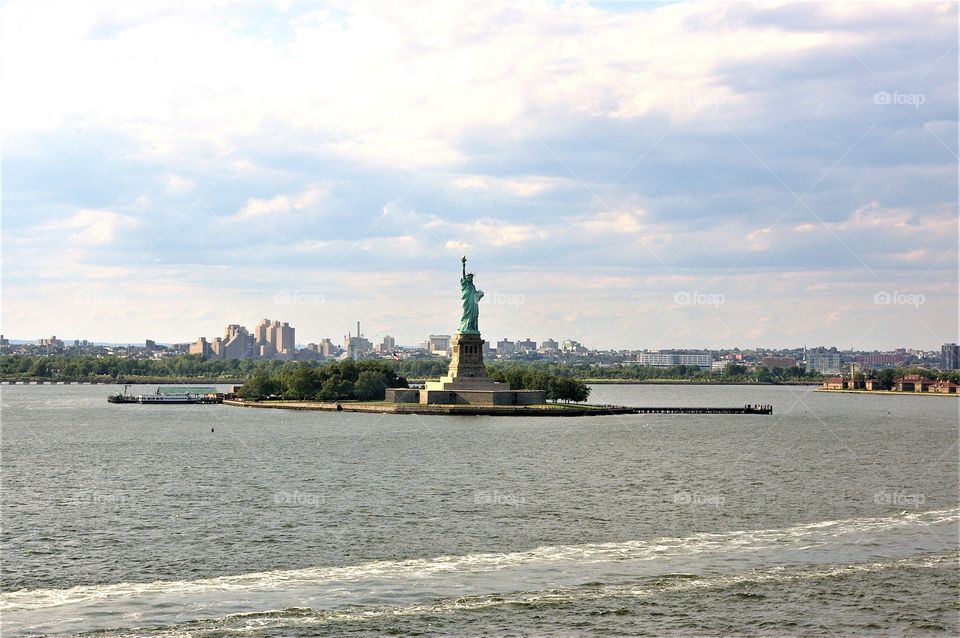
(329, 380)
(191, 368)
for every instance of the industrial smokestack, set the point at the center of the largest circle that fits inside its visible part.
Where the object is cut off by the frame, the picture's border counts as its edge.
(358, 329)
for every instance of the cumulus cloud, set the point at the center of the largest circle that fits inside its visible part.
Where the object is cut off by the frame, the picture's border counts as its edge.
(280, 204)
(93, 227)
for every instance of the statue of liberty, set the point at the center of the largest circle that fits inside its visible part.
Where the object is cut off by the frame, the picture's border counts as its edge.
(471, 302)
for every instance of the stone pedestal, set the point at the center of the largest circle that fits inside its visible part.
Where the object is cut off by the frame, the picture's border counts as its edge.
(467, 370)
(467, 381)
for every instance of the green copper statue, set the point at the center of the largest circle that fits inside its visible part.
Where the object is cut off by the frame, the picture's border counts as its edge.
(471, 302)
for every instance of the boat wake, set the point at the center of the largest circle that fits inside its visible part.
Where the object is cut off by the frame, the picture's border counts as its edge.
(550, 573)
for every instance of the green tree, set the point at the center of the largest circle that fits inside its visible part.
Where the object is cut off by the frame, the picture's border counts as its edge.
(260, 386)
(301, 384)
(567, 389)
(336, 388)
(370, 386)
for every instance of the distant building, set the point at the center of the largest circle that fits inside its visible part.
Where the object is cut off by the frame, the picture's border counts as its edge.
(526, 346)
(310, 353)
(569, 345)
(778, 362)
(387, 344)
(877, 359)
(269, 340)
(263, 336)
(201, 347)
(284, 340)
(823, 362)
(358, 346)
(506, 347)
(51, 342)
(238, 344)
(328, 349)
(438, 344)
(950, 356)
(488, 350)
(669, 359)
(549, 346)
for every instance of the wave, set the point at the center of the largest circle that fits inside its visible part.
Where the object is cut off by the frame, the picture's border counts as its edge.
(799, 537)
(611, 596)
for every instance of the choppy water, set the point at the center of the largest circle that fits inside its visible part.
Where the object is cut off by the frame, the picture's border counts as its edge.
(837, 515)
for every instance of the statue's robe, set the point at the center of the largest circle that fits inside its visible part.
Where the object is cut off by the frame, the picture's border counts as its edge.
(470, 297)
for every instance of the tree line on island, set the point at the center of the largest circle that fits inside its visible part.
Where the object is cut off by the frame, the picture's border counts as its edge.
(368, 381)
(192, 369)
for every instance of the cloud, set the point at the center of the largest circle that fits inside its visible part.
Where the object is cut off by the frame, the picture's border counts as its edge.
(93, 227)
(179, 185)
(627, 153)
(281, 204)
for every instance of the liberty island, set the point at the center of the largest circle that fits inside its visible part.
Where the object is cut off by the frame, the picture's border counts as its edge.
(467, 382)
(467, 389)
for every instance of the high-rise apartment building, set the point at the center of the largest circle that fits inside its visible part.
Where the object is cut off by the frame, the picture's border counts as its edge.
(950, 356)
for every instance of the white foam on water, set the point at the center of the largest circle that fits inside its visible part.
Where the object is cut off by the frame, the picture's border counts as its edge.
(286, 618)
(377, 574)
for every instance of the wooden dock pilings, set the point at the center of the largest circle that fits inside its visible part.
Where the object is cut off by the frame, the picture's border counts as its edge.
(747, 409)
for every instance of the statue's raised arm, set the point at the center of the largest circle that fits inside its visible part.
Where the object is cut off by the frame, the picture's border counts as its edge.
(470, 297)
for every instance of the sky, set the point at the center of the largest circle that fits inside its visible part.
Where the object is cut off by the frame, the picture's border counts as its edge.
(629, 175)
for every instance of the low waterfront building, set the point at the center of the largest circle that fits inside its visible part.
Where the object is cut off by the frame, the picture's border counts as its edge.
(913, 383)
(835, 383)
(943, 386)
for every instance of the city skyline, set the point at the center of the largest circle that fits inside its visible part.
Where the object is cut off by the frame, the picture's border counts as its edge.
(661, 175)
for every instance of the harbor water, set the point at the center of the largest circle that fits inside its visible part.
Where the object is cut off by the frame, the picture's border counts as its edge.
(836, 515)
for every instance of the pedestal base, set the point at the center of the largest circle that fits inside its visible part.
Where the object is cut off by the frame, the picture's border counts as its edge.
(466, 382)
